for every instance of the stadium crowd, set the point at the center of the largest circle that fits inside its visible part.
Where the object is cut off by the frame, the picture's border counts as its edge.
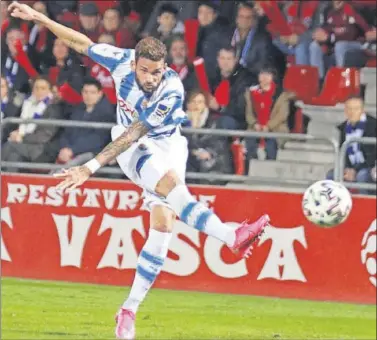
(232, 58)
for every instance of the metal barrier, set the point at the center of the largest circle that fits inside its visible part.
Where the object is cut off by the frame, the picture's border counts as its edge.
(189, 175)
(342, 162)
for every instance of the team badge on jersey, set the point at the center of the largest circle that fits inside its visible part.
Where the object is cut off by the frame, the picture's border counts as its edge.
(162, 110)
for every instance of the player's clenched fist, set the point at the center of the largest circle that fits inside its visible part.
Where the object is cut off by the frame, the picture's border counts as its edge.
(22, 11)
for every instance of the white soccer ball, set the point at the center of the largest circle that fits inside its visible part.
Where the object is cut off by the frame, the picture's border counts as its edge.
(327, 203)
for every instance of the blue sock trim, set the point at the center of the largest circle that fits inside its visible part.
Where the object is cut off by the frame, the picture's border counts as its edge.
(187, 211)
(146, 274)
(158, 261)
(202, 220)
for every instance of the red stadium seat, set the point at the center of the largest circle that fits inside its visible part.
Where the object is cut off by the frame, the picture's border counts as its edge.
(302, 80)
(238, 151)
(372, 62)
(340, 83)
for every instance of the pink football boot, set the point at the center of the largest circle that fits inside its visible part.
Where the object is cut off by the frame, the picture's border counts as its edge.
(125, 328)
(247, 234)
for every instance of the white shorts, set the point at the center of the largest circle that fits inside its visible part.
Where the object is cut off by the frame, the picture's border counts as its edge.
(148, 160)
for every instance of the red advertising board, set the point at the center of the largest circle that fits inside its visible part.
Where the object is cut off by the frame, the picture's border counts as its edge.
(94, 234)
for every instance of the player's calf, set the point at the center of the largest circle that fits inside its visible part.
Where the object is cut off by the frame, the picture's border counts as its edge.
(195, 214)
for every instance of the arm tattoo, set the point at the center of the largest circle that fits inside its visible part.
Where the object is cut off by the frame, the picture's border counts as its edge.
(134, 132)
(74, 44)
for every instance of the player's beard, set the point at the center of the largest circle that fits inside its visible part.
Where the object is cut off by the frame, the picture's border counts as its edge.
(147, 91)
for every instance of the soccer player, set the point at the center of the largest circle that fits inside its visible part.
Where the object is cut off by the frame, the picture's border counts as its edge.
(150, 150)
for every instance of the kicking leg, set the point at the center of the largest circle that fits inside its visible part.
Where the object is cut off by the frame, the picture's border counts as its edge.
(197, 215)
(149, 265)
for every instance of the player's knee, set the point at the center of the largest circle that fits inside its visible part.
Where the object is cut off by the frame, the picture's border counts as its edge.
(167, 183)
(162, 219)
(163, 228)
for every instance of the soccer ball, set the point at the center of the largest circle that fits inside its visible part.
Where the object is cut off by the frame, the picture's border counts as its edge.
(327, 203)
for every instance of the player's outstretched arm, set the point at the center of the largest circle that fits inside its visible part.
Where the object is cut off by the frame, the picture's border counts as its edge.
(76, 176)
(75, 40)
(133, 133)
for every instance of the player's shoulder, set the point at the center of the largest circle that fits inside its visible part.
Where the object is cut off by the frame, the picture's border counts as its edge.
(171, 85)
(111, 51)
(110, 56)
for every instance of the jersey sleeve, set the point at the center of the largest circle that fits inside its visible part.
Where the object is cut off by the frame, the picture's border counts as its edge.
(109, 56)
(162, 111)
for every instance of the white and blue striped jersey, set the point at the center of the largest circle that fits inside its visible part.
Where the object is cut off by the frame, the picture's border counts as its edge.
(162, 111)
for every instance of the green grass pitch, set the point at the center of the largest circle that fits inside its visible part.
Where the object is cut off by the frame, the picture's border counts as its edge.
(51, 310)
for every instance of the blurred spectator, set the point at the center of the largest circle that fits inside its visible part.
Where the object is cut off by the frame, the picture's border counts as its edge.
(10, 107)
(228, 86)
(360, 58)
(17, 78)
(267, 110)
(206, 153)
(302, 17)
(168, 24)
(64, 67)
(4, 16)
(40, 38)
(373, 173)
(89, 20)
(133, 23)
(102, 74)
(337, 36)
(77, 144)
(212, 35)
(31, 142)
(179, 63)
(104, 5)
(361, 158)
(252, 45)
(186, 10)
(112, 24)
(58, 7)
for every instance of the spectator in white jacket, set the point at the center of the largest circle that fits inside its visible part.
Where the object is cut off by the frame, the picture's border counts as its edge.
(33, 107)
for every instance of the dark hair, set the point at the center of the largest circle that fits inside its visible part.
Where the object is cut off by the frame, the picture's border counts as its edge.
(209, 4)
(14, 27)
(228, 48)
(268, 69)
(92, 81)
(167, 8)
(44, 78)
(176, 37)
(356, 97)
(196, 92)
(116, 9)
(151, 48)
(246, 4)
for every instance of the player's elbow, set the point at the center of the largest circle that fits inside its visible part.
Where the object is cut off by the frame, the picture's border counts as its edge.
(84, 48)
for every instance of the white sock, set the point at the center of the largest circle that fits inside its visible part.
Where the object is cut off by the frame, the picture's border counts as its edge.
(197, 215)
(149, 265)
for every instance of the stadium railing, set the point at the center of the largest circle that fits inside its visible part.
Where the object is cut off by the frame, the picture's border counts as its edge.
(189, 175)
(342, 161)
